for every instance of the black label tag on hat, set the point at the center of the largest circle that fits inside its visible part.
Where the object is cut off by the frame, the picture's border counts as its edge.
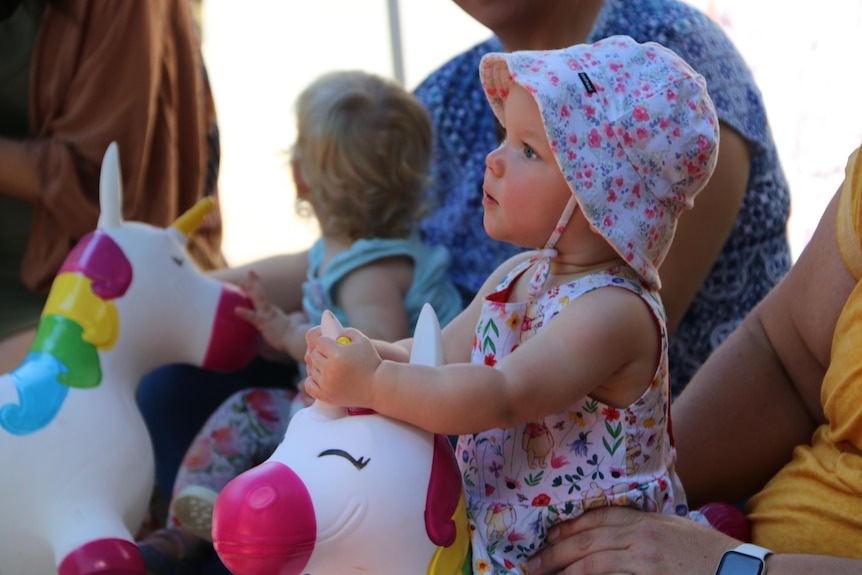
(587, 83)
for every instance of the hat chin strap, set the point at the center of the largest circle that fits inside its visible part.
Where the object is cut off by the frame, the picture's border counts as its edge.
(543, 256)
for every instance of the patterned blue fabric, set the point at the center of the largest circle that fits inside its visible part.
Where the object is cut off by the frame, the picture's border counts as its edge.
(756, 255)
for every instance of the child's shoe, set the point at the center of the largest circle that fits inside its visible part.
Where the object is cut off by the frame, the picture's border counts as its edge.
(193, 510)
(173, 552)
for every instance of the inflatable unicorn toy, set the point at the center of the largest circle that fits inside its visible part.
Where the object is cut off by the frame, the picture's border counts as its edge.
(349, 491)
(77, 462)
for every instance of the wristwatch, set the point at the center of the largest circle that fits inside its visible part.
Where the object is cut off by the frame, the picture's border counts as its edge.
(747, 559)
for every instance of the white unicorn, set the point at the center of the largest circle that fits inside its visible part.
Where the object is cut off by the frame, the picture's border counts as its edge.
(76, 462)
(349, 491)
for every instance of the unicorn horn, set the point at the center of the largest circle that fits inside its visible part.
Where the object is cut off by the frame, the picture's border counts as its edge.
(110, 189)
(194, 216)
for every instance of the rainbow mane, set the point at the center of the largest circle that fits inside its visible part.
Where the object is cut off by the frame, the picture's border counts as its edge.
(78, 319)
(77, 459)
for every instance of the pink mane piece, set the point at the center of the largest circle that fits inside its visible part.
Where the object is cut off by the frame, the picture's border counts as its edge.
(100, 259)
(444, 488)
(444, 492)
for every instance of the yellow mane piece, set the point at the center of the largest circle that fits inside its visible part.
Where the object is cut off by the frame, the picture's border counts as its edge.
(72, 297)
(450, 560)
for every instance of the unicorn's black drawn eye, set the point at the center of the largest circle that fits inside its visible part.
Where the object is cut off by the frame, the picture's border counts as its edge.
(357, 463)
(178, 260)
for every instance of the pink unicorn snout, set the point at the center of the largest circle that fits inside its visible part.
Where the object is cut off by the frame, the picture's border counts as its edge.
(264, 522)
(234, 341)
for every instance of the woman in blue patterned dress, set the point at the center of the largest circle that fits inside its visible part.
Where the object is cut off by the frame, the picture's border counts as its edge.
(729, 251)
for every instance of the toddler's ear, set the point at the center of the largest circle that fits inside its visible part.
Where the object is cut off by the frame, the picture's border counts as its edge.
(299, 183)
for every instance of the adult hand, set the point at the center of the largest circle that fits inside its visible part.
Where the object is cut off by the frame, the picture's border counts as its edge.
(624, 541)
(342, 371)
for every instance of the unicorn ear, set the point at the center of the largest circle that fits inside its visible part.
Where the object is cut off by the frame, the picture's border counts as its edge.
(111, 189)
(329, 325)
(427, 339)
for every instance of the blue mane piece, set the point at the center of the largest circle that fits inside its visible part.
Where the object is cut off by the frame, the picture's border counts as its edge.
(58, 360)
(40, 393)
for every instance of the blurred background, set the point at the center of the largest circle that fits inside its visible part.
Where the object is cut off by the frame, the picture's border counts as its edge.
(261, 53)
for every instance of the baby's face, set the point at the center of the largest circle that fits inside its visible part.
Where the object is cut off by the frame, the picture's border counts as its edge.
(524, 190)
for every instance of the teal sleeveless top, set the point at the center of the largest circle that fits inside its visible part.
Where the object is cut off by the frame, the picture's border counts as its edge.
(430, 283)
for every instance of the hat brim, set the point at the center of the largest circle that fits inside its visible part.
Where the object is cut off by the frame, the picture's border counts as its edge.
(497, 82)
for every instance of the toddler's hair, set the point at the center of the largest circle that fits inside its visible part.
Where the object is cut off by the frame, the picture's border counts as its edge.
(364, 149)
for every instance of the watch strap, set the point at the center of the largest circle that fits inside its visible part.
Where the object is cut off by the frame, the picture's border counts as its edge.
(750, 550)
(753, 551)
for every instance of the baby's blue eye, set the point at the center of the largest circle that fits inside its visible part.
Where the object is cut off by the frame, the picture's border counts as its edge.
(529, 152)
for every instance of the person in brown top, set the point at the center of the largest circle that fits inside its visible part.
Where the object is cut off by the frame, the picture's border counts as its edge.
(76, 75)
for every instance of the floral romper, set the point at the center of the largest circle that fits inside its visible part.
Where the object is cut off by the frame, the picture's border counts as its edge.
(521, 481)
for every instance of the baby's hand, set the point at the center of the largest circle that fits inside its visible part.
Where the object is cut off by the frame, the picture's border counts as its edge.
(341, 371)
(275, 326)
(311, 338)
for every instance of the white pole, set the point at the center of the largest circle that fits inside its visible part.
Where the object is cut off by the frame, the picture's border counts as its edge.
(395, 38)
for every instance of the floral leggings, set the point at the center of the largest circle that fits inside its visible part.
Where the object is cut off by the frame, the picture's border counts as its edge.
(243, 432)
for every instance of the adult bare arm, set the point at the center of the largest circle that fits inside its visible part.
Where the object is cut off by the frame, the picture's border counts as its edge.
(767, 377)
(623, 541)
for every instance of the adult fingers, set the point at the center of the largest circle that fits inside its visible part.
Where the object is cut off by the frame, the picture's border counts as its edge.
(601, 517)
(593, 544)
(587, 553)
(566, 558)
(621, 540)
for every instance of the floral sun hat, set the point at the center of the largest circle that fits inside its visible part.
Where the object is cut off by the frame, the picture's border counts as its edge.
(633, 131)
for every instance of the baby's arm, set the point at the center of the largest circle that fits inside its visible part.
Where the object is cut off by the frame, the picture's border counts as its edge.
(372, 297)
(457, 338)
(367, 301)
(281, 275)
(605, 344)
